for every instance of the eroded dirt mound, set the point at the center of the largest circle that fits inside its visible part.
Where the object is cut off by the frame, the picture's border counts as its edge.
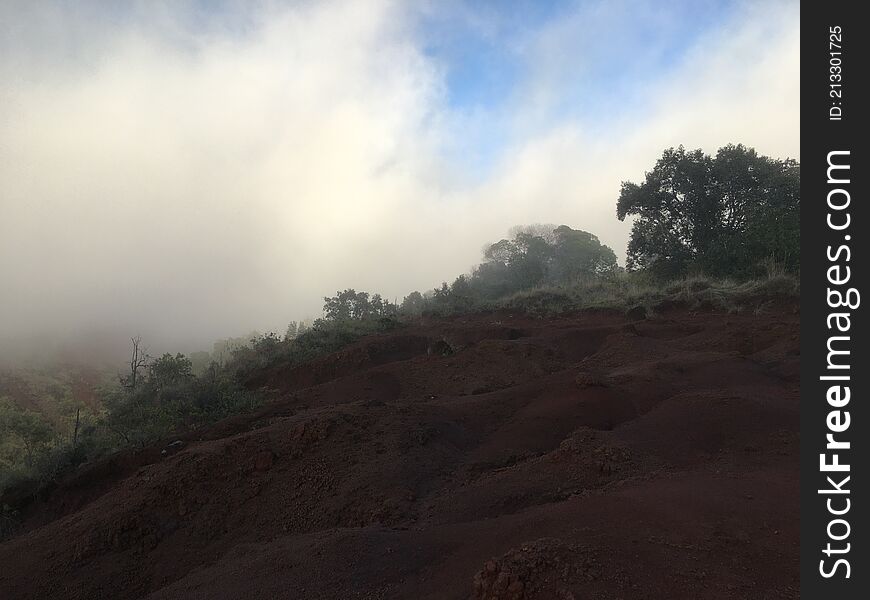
(540, 569)
(586, 456)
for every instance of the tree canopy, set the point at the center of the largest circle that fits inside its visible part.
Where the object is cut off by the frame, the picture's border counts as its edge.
(534, 255)
(541, 254)
(723, 215)
(353, 305)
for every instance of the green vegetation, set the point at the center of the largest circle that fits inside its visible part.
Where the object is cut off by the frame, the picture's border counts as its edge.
(25, 437)
(715, 231)
(40, 417)
(168, 399)
(629, 290)
(324, 337)
(163, 397)
(538, 255)
(722, 216)
(625, 290)
(157, 398)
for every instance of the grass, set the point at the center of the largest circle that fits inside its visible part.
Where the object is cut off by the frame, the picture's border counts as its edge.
(628, 290)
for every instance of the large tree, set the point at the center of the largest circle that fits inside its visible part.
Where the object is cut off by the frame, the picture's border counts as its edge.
(577, 254)
(540, 254)
(723, 215)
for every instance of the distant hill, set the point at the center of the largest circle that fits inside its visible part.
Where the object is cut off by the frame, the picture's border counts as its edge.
(55, 392)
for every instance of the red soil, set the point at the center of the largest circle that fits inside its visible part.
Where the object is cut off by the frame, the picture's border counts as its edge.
(573, 457)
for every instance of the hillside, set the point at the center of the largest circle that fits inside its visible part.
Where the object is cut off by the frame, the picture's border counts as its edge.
(486, 456)
(53, 392)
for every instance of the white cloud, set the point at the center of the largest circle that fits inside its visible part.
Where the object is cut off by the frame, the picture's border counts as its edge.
(741, 85)
(188, 186)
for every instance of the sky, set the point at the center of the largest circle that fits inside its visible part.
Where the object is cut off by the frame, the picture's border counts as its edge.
(193, 170)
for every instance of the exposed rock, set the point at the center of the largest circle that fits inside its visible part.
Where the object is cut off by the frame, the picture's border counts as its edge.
(172, 447)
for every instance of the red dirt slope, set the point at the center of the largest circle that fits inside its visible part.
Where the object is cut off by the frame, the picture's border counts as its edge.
(580, 457)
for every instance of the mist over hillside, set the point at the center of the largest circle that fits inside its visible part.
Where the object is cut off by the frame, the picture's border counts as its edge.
(188, 171)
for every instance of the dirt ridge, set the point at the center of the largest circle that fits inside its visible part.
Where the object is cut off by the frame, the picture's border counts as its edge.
(581, 456)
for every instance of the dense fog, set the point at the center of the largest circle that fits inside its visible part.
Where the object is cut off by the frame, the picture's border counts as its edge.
(187, 174)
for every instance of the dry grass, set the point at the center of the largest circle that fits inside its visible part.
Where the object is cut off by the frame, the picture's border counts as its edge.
(628, 290)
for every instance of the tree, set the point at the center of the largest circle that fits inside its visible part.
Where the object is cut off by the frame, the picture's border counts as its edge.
(520, 262)
(546, 231)
(413, 304)
(541, 254)
(138, 360)
(345, 305)
(578, 254)
(353, 305)
(169, 370)
(722, 215)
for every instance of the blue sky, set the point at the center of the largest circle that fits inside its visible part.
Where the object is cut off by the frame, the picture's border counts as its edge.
(486, 45)
(597, 59)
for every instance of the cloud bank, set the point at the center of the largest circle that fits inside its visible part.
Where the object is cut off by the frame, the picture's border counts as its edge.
(188, 175)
